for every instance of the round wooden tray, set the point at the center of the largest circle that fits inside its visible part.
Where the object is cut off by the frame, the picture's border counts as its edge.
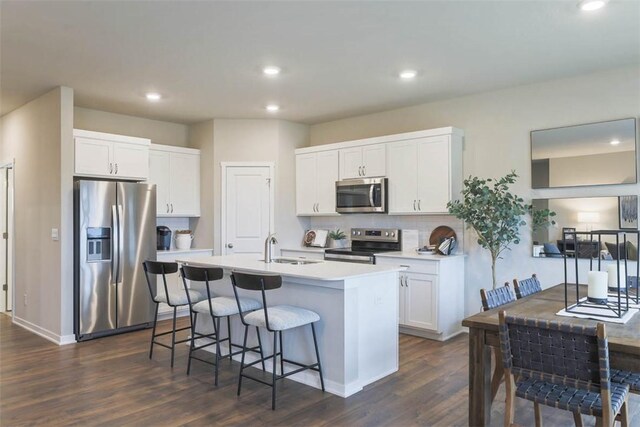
(440, 233)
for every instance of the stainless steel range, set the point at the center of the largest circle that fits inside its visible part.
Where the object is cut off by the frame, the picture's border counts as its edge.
(365, 243)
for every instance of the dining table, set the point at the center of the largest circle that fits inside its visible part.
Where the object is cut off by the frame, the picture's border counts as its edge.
(624, 341)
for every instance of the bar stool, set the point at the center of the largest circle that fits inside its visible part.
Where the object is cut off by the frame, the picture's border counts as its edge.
(173, 299)
(217, 307)
(275, 319)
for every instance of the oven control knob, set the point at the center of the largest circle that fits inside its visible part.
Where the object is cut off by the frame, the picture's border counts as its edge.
(358, 233)
(353, 232)
(386, 234)
(393, 234)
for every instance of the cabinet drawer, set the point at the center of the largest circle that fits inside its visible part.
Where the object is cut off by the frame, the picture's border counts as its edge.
(413, 266)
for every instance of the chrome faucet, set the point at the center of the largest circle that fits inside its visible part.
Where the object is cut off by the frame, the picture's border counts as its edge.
(268, 246)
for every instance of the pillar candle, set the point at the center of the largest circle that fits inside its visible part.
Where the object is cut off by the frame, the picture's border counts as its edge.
(597, 286)
(612, 271)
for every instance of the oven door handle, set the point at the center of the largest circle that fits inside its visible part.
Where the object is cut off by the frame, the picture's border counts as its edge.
(371, 202)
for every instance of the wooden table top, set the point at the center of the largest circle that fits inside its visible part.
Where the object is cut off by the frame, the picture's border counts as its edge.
(545, 305)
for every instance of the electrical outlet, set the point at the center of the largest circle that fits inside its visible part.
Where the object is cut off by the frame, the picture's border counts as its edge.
(377, 300)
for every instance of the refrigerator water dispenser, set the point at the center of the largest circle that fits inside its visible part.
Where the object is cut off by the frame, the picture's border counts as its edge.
(98, 244)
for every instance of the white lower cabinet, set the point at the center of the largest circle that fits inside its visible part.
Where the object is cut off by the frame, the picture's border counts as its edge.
(431, 295)
(174, 281)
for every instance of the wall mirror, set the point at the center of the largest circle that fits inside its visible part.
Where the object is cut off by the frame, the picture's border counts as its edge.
(587, 214)
(590, 154)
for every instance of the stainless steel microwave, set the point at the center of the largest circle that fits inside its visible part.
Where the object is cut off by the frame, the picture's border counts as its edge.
(361, 195)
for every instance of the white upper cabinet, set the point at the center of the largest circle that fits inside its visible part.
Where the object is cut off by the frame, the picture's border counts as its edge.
(106, 155)
(176, 173)
(316, 176)
(424, 174)
(363, 161)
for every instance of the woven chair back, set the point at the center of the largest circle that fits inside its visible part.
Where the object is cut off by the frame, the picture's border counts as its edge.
(527, 287)
(496, 297)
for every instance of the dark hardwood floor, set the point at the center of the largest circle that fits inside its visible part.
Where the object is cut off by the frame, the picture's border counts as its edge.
(112, 382)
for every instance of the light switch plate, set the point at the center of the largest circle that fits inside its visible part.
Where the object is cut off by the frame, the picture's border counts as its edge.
(54, 234)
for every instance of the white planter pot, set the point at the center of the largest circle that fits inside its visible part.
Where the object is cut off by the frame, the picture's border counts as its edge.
(344, 243)
(183, 241)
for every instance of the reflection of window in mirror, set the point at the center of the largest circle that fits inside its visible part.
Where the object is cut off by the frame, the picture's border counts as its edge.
(589, 154)
(583, 215)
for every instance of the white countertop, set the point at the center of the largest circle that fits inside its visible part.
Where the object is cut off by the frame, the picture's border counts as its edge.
(184, 251)
(323, 270)
(417, 256)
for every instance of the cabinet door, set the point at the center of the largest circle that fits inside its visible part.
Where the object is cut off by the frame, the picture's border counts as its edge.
(351, 163)
(159, 174)
(184, 190)
(306, 182)
(434, 184)
(421, 301)
(374, 160)
(327, 175)
(402, 173)
(93, 157)
(130, 160)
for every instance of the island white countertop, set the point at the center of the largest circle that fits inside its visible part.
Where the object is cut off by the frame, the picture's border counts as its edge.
(175, 251)
(322, 270)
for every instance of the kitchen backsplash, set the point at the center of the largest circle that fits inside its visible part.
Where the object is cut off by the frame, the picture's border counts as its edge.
(174, 224)
(423, 223)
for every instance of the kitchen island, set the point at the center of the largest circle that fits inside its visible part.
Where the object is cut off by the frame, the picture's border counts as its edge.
(358, 308)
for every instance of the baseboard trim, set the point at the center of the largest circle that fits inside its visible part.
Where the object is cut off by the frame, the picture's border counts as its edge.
(44, 333)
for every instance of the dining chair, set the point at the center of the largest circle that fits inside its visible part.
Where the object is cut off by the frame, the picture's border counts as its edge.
(527, 287)
(492, 299)
(562, 365)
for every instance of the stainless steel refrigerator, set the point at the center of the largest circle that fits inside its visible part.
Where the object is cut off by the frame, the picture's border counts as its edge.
(115, 225)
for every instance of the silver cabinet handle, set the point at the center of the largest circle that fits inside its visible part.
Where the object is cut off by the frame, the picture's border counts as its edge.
(406, 281)
(110, 167)
(167, 207)
(116, 169)
(318, 207)
(230, 245)
(419, 208)
(401, 281)
(414, 205)
(171, 207)
(364, 170)
(359, 170)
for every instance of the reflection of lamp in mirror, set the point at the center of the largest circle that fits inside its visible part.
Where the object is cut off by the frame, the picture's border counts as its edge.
(588, 218)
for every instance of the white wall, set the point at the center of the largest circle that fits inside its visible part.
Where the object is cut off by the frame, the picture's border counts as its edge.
(260, 141)
(38, 136)
(201, 137)
(166, 133)
(497, 126)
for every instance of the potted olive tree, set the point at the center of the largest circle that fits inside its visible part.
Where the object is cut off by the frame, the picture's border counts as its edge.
(337, 239)
(493, 212)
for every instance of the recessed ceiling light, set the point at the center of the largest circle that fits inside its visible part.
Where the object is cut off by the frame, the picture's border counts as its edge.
(271, 70)
(614, 142)
(272, 108)
(408, 74)
(153, 96)
(591, 5)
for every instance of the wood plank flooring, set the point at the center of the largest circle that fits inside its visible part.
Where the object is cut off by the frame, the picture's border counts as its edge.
(112, 382)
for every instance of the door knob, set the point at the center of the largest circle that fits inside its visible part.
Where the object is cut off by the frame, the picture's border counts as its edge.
(230, 245)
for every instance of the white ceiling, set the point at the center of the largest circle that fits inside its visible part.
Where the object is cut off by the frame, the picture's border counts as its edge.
(338, 58)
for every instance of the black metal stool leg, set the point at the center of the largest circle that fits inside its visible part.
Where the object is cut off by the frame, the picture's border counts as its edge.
(193, 340)
(173, 335)
(260, 345)
(217, 330)
(244, 350)
(273, 380)
(315, 344)
(153, 333)
(229, 335)
(281, 356)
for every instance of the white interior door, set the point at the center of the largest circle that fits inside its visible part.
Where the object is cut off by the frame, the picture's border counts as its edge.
(247, 209)
(3, 240)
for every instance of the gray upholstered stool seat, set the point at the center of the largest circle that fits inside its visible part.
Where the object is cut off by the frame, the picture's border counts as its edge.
(179, 297)
(282, 317)
(226, 306)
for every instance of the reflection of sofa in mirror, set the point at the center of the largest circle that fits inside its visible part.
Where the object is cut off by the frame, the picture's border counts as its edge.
(614, 250)
(580, 215)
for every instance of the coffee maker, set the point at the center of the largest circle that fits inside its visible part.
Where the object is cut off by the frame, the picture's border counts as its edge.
(164, 238)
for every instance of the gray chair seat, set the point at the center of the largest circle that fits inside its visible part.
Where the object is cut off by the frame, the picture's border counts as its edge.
(226, 306)
(179, 297)
(282, 317)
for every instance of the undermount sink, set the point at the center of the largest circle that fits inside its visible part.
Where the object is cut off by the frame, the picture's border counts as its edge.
(293, 261)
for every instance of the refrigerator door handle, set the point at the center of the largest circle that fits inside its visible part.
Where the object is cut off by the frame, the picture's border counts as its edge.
(120, 243)
(115, 259)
